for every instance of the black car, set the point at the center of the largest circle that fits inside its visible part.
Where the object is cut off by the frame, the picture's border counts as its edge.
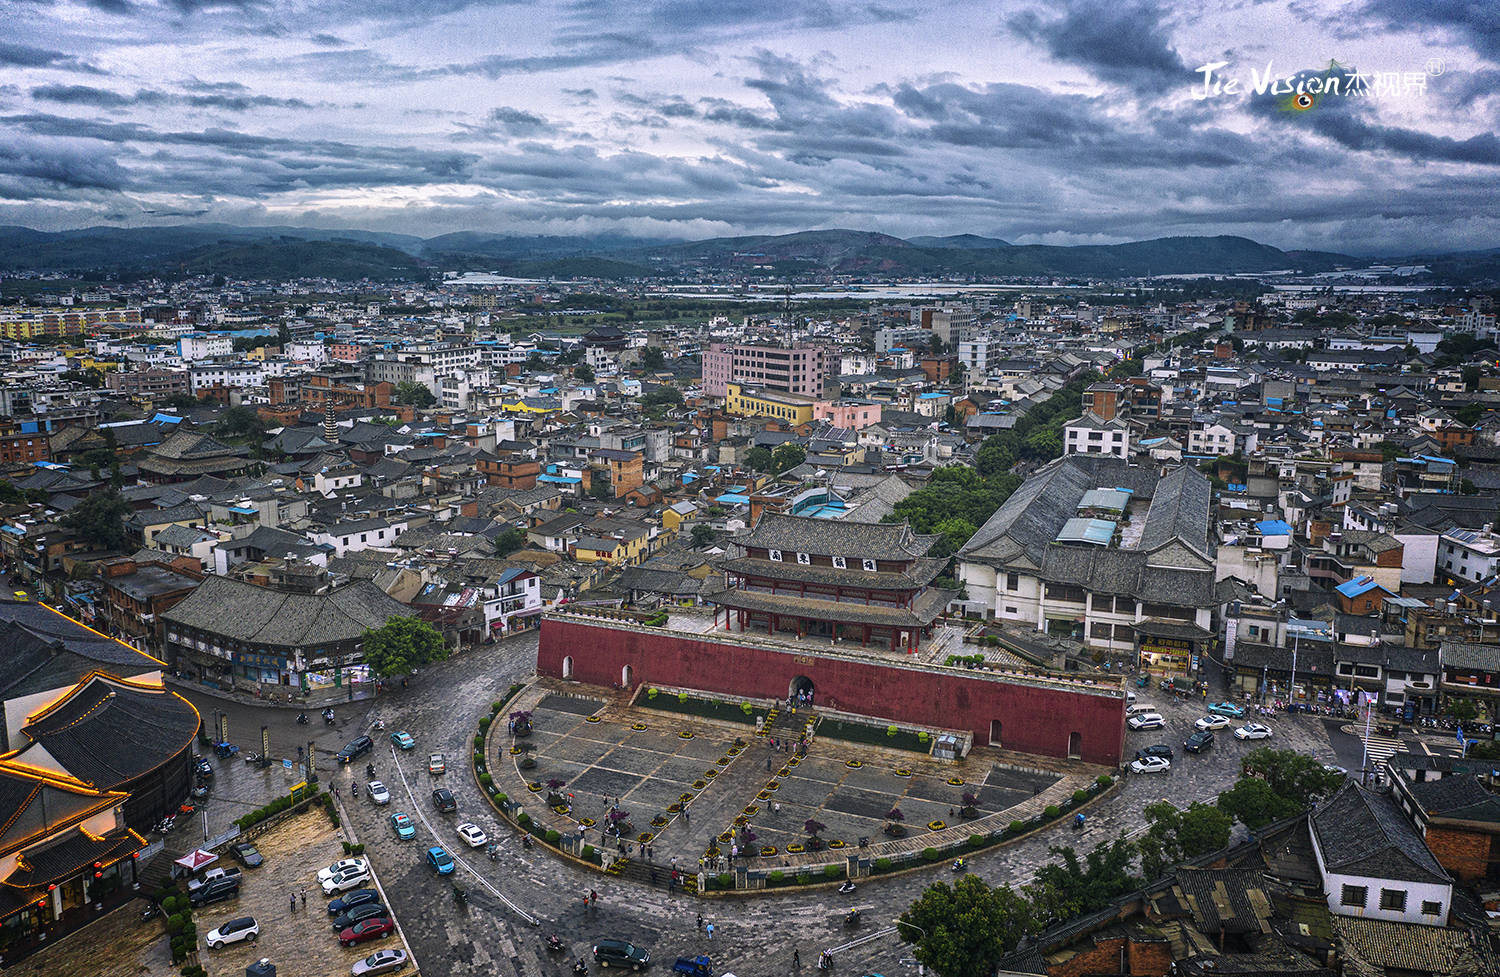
(620, 953)
(365, 910)
(1160, 749)
(443, 800)
(215, 891)
(357, 747)
(349, 900)
(202, 766)
(246, 854)
(1199, 741)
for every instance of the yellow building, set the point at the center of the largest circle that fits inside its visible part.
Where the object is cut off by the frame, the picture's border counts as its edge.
(754, 402)
(674, 516)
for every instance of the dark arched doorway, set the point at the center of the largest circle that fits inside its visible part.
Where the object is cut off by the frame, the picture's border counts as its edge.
(800, 690)
(1075, 746)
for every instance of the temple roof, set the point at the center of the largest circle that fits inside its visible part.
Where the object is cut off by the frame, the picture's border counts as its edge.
(924, 610)
(825, 537)
(918, 574)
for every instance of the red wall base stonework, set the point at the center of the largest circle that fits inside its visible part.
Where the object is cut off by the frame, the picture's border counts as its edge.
(1036, 715)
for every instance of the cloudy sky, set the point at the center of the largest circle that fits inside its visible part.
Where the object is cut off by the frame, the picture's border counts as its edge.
(1071, 121)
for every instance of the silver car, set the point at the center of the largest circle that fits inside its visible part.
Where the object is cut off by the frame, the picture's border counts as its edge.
(380, 962)
(378, 793)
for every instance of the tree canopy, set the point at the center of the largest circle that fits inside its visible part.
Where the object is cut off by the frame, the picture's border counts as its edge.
(758, 459)
(100, 518)
(1175, 835)
(702, 534)
(965, 929)
(787, 456)
(1295, 776)
(402, 644)
(414, 394)
(1071, 887)
(1254, 804)
(510, 540)
(652, 358)
(583, 372)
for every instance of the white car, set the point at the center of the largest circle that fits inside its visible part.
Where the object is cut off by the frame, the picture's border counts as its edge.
(233, 931)
(472, 835)
(380, 962)
(1253, 731)
(1212, 723)
(1150, 764)
(350, 878)
(378, 793)
(1146, 720)
(339, 866)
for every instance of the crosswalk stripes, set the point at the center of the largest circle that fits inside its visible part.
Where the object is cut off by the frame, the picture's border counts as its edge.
(1378, 748)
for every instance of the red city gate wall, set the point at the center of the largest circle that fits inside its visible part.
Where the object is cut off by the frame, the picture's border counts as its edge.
(1035, 718)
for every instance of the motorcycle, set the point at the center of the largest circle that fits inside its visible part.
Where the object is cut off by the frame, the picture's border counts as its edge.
(370, 770)
(301, 719)
(846, 888)
(328, 716)
(252, 758)
(460, 895)
(579, 967)
(378, 724)
(852, 919)
(526, 841)
(494, 852)
(554, 944)
(825, 961)
(150, 912)
(1078, 822)
(959, 865)
(354, 789)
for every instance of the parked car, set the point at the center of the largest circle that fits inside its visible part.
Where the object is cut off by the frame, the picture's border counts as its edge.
(1199, 741)
(440, 860)
(349, 900)
(403, 826)
(245, 929)
(346, 880)
(325, 874)
(403, 739)
(364, 911)
(357, 748)
(1212, 722)
(1146, 720)
(378, 793)
(1253, 731)
(619, 953)
(1227, 709)
(443, 800)
(202, 767)
(472, 835)
(214, 875)
(380, 962)
(1150, 764)
(1158, 749)
(436, 764)
(246, 854)
(216, 891)
(366, 929)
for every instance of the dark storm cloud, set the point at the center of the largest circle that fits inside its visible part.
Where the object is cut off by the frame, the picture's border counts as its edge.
(1122, 42)
(26, 56)
(506, 121)
(103, 98)
(30, 165)
(593, 51)
(328, 40)
(1476, 21)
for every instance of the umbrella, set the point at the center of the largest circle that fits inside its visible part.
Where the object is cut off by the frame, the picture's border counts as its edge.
(196, 859)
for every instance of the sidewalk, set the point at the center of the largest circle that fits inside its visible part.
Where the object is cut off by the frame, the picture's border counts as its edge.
(299, 703)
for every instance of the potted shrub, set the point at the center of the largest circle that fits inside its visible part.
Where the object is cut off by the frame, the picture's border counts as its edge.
(969, 811)
(522, 719)
(813, 828)
(554, 798)
(894, 827)
(619, 823)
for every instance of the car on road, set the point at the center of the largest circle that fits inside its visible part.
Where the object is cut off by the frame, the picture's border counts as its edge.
(443, 800)
(1146, 720)
(436, 764)
(1150, 764)
(403, 739)
(440, 860)
(244, 929)
(357, 748)
(1158, 749)
(203, 767)
(378, 793)
(472, 834)
(364, 911)
(1199, 741)
(1212, 722)
(366, 929)
(246, 854)
(347, 901)
(348, 879)
(620, 953)
(1253, 731)
(1227, 709)
(325, 874)
(380, 962)
(403, 826)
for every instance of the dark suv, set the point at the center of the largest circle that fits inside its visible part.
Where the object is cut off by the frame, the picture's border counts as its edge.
(1199, 741)
(357, 747)
(443, 800)
(618, 953)
(216, 890)
(1160, 749)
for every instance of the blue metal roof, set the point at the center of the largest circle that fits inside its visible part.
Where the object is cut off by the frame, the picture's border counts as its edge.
(734, 498)
(1099, 532)
(1274, 527)
(1357, 586)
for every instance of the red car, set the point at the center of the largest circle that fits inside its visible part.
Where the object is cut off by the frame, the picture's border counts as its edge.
(366, 929)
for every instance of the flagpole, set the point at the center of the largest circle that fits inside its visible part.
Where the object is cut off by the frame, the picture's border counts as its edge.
(1364, 760)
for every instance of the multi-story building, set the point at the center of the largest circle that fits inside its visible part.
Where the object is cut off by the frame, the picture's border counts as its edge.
(1468, 555)
(204, 345)
(974, 354)
(28, 323)
(225, 374)
(24, 448)
(789, 369)
(1091, 434)
(755, 402)
(148, 384)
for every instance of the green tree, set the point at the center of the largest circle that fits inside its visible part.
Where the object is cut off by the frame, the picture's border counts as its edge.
(1254, 804)
(758, 459)
(100, 518)
(1175, 835)
(652, 358)
(995, 457)
(584, 373)
(509, 541)
(787, 456)
(702, 534)
(402, 644)
(1390, 450)
(955, 532)
(600, 488)
(241, 422)
(91, 377)
(964, 930)
(1295, 776)
(1070, 887)
(413, 394)
(181, 401)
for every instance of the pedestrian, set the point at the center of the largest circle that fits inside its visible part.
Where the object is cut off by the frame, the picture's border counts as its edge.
(293, 898)
(653, 876)
(304, 898)
(796, 958)
(710, 930)
(700, 922)
(687, 818)
(593, 897)
(585, 902)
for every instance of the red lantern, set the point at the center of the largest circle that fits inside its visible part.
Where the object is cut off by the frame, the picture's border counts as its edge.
(98, 865)
(51, 886)
(98, 875)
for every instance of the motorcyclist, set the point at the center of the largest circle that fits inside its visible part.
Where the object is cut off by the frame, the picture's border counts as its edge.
(553, 943)
(579, 967)
(354, 788)
(959, 865)
(369, 770)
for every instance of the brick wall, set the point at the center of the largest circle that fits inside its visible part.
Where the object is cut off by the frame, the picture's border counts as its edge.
(1033, 717)
(1117, 955)
(1463, 853)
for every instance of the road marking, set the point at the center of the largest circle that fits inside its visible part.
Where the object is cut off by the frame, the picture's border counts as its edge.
(451, 849)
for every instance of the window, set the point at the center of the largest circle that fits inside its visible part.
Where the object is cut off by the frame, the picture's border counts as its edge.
(1354, 895)
(1431, 908)
(804, 559)
(840, 563)
(1099, 630)
(1393, 900)
(774, 556)
(1012, 581)
(1011, 610)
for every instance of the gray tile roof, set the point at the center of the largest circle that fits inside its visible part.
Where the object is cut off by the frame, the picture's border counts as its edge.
(45, 650)
(1179, 510)
(796, 534)
(1365, 834)
(260, 615)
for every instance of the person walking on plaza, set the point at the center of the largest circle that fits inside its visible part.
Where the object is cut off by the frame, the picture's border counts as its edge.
(700, 922)
(710, 929)
(293, 898)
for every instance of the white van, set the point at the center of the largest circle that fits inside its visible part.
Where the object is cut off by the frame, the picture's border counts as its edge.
(1136, 708)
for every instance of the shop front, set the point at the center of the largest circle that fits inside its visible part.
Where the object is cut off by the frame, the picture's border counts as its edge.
(1171, 648)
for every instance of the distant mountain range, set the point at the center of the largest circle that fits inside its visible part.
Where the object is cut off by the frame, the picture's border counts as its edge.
(293, 252)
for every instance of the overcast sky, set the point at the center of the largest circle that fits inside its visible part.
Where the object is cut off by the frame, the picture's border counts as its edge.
(1061, 122)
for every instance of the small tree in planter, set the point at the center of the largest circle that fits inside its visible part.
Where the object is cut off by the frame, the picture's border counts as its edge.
(813, 828)
(895, 828)
(747, 843)
(555, 799)
(969, 810)
(522, 720)
(619, 823)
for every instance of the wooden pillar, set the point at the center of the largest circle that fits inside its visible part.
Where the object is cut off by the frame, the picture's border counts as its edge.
(866, 642)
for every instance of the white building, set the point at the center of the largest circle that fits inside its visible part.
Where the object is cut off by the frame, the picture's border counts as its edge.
(1373, 862)
(974, 354)
(236, 374)
(1092, 435)
(203, 346)
(1469, 554)
(511, 597)
(361, 534)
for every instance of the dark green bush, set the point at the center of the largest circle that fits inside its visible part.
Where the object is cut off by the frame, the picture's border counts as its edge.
(1105, 780)
(832, 871)
(882, 864)
(724, 880)
(978, 841)
(1016, 827)
(1052, 811)
(1079, 796)
(931, 854)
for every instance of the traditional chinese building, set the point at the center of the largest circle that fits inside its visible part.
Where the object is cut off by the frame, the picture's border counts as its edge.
(846, 582)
